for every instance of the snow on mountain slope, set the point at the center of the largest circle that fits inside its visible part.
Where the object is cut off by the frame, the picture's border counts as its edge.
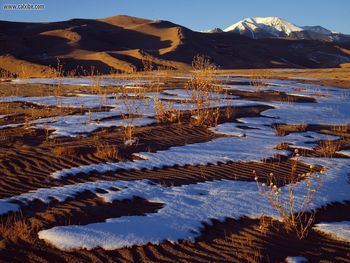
(318, 29)
(213, 30)
(267, 27)
(274, 26)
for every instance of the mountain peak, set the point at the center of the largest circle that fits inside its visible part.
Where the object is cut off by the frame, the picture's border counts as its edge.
(214, 30)
(265, 26)
(318, 29)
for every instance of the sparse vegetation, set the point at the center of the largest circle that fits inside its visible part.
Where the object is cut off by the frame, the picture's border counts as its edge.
(106, 145)
(16, 227)
(297, 215)
(328, 148)
(258, 79)
(107, 151)
(134, 100)
(205, 92)
(340, 128)
(64, 151)
(282, 130)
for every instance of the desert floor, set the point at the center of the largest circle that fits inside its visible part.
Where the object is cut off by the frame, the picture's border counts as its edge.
(122, 168)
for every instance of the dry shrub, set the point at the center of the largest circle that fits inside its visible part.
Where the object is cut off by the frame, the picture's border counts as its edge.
(283, 129)
(134, 101)
(288, 99)
(128, 135)
(6, 75)
(147, 65)
(300, 127)
(205, 92)
(279, 131)
(165, 111)
(229, 112)
(298, 220)
(64, 151)
(106, 151)
(340, 128)
(4, 137)
(328, 148)
(55, 71)
(264, 224)
(259, 78)
(16, 226)
(159, 107)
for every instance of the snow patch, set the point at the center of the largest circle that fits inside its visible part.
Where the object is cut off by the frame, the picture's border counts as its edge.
(298, 259)
(337, 230)
(81, 81)
(186, 208)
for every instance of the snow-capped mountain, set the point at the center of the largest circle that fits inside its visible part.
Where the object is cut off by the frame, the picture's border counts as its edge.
(259, 27)
(267, 27)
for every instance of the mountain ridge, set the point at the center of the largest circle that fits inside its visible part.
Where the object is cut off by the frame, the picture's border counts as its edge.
(269, 27)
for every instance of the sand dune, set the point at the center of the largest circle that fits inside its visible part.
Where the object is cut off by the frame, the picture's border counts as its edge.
(120, 43)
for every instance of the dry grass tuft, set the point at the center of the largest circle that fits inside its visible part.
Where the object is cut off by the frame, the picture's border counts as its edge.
(6, 75)
(205, 92)
(17, 227)
(340, 128)
(296, 216)
(259, 78)
(165, 111)
(64, 151)
(107, 151)
(328, 148)
(283, 129)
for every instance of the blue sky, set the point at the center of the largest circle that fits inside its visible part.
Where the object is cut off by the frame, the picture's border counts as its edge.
(194, 14)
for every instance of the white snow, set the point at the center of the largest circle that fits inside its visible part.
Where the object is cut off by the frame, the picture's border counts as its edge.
(257, 144)
(298, 259)
(331, 106)
(130, 142)
(337, 230)
(80, 125)
(12, 125)
(76, 125)
(8, 115)
(187, 207)
(318, 29)
(228, 129)
(345, 152)
(273, 25)
(100, 81)
(303, 78)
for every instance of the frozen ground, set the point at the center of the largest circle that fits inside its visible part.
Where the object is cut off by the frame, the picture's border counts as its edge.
(81, 81)
(331, 107)
(187, 207)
